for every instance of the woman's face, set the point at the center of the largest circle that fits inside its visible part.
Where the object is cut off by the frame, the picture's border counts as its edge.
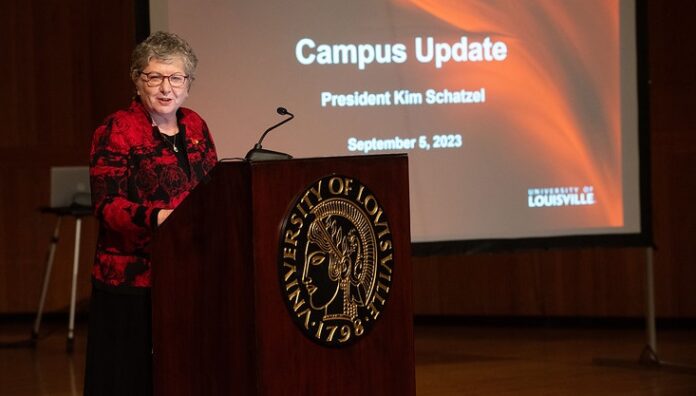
(163, 100)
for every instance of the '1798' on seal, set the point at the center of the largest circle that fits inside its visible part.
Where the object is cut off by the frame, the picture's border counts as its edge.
(336, 260)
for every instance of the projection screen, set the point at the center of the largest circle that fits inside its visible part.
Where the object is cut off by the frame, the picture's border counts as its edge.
(519, 117)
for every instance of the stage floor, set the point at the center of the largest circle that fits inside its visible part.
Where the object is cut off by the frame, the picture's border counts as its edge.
(450, 360)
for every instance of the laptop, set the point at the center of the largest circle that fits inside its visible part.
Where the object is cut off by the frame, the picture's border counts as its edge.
(70, 186)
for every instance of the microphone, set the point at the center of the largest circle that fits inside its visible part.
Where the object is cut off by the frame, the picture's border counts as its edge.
(258, 153)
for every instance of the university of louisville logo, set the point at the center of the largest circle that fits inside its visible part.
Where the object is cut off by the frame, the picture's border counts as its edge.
(336, 260)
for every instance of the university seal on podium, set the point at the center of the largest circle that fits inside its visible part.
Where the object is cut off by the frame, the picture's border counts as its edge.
(336, 260)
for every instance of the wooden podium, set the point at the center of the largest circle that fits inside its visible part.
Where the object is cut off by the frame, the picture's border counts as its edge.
(221, 323)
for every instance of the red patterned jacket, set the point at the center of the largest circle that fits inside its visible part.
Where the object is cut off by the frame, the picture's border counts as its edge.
(133, 175)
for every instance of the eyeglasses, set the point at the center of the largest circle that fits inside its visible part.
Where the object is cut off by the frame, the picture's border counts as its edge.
(156, 79)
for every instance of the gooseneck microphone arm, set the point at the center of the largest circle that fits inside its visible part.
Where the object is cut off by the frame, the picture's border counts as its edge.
(281, 111)
(258, 153)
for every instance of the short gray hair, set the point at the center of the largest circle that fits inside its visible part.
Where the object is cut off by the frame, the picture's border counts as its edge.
(165, 47)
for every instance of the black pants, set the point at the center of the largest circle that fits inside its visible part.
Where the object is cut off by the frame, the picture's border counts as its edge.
(119, 345)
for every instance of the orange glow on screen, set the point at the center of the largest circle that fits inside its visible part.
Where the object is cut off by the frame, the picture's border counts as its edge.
(550, 120)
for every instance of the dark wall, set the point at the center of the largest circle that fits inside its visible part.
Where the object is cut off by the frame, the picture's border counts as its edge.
(65, 67)
(673, 132)
(68, 68)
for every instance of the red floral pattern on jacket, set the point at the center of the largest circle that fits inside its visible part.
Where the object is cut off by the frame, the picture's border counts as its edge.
(134, 174)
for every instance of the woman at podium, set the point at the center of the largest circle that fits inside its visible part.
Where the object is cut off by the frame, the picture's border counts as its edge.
(144, 161)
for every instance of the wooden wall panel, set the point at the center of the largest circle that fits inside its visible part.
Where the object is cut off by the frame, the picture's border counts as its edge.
(68, 68)
(673, 122)
(586, 282)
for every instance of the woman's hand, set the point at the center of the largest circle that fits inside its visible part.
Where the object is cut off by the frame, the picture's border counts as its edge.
(162, 215)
